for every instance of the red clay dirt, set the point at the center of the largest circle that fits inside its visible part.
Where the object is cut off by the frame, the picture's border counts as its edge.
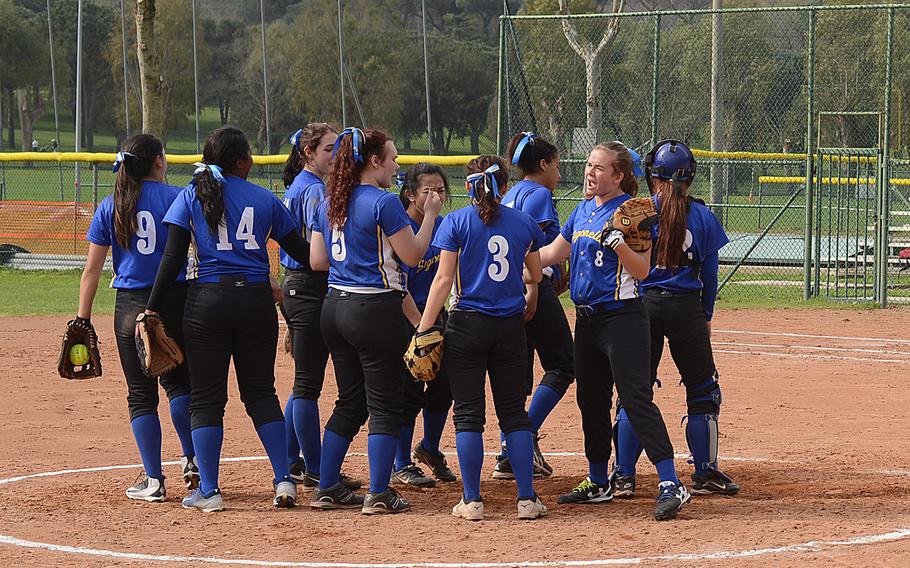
(814, 428)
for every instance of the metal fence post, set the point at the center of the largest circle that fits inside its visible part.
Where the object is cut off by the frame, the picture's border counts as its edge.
(884, 172)
(501, 94)
(95, 185)
(655, 74)
(810, 160)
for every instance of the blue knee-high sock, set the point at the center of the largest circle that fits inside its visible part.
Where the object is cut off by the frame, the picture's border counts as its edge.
(520, 446)
(180, 416)
(334, 448)
(403, 453)
(293, 446)
(701, 434)
(666, 470)
(470, 460)
(542, 404)
(275, 442)
(598, 472)
(307, 428)
(207, 442)
(628, 447)
(147, 431)
(381, 450)
(433, 424)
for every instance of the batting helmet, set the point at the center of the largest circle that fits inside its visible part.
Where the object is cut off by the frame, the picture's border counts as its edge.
(670, 159)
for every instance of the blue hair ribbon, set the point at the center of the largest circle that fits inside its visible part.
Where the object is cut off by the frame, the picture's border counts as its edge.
(637, 170)
(295, 138)
(528, 138)
(357, 142)
(400, 180)
(490, 184)
(120, 158)
(202, 167)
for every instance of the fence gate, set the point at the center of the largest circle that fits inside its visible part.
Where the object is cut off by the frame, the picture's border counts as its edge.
(847, 260)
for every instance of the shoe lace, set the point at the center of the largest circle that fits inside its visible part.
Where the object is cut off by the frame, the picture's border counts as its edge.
(585, 486)
(667, 491)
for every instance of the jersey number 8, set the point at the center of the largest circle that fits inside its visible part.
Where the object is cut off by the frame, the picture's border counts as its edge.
(244, 233)
(499, 248)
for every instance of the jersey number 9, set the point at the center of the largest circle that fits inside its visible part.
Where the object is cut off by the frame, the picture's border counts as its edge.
(146, 233)
(244, 233)
(499, 248)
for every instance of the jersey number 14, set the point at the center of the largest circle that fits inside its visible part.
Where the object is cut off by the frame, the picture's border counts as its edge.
(244, 233)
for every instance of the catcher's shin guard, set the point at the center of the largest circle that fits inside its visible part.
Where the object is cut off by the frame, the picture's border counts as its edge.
(628, 446)
(701, 435)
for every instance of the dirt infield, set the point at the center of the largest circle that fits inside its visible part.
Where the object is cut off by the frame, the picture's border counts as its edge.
(814, 426)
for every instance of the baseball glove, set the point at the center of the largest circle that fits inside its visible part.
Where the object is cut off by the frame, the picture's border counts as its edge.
(158, 352)
(424, 355)
(287, 342)
(79, 331)
(634, 219)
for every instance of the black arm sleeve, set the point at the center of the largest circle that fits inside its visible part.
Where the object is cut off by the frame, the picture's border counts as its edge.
(174, 259)
(296, 246)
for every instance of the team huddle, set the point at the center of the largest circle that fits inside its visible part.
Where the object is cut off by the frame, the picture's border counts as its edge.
(366, 270)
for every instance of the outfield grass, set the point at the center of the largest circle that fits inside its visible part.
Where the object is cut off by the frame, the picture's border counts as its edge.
(52, 292)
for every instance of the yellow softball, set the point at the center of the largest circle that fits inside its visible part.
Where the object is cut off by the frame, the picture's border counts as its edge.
(79, 354)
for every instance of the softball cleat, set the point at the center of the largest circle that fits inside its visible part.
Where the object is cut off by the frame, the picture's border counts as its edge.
(670, 500)
(285, 494)
(336, 497)
(623, 485)
(472, 510)
(414, 476)
(531, 508)
(387, 502)
(713, 482)
(436, 462)
(210, 504)
(586, 492)
(149, 489)
(190, 472)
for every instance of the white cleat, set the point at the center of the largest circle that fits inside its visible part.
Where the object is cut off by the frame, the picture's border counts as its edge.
(472, 510)
(531, 508)
(149, 489)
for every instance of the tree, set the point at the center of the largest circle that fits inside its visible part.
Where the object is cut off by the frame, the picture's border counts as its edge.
(155, 90)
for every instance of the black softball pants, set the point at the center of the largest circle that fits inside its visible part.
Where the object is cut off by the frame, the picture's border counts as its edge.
(681, 319)
(235, 319)
(435, 396)
(367, 336)
(304, 293)
(475, 344)
(550, 336)
(613, 347)
(142, 392)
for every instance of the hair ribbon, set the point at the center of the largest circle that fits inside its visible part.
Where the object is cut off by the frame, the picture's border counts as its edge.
(357, 142)
(120, 158)
(201, 167)
(295, 138)
(490, 184)
(637, 170)
(528, 138)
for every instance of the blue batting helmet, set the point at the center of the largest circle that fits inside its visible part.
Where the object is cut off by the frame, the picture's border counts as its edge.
(670, 159)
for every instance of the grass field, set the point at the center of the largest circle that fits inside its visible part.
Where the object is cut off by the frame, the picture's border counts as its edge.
(53, 292)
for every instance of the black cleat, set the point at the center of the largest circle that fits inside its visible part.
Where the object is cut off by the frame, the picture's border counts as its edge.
(713, 482)
(387, 502)
(670, 500)
(437, 463)
(336, 497)
(412, 475)
(623, 485)
(586, 492)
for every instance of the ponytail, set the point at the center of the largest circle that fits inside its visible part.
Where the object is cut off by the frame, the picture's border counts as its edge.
(223, 149)
(626, 164)
(527, 149)
(352, 153)
(487, 180)
(674, 205)
(307, 137)
(134, 162)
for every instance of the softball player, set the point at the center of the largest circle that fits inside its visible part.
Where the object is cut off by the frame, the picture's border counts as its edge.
(435, 397)
(546, 327)
(484, 248)
(360, 236)
(130, 223)
(611, 331)
(680, 291)
(303, 291)
(230, 311)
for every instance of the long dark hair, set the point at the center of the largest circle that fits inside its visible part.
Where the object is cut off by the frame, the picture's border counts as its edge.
(310, 135)
(412, 180)
(139, 155)
(487, 202)
(346, 171)
(623, 163)
(223, 148)
(536, 150)
(674, 208)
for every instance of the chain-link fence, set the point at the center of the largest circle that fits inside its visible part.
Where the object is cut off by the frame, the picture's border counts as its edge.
(784, 83)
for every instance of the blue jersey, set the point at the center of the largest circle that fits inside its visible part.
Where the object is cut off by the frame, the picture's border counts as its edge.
(421, 276)
(252, 215)
(361, 258)
(704, 238)
(136, 268)
(537, 201)
(488, 278)
(597, 276)
(302, 199)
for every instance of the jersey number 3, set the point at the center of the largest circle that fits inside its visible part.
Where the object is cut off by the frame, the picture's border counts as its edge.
(244, 233)
(499, 248)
